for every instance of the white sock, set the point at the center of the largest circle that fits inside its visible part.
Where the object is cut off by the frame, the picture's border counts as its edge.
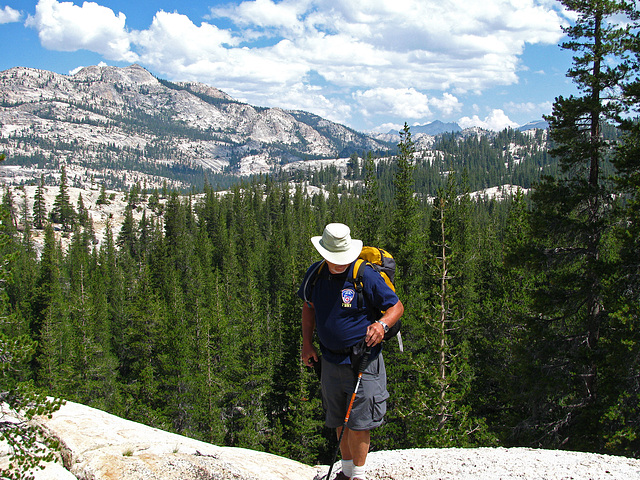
(347, 467)
(359, 472)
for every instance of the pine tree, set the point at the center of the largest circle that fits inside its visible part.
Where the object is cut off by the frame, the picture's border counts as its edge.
(50, 328)
(402, 231)
(27, 446)
(39, 206)
(89, 362)
(11, 216)
(292, 405)
(621, 421)
(115, 274)
(368, 222)
(142, 343)
(62, 211)
(102, 198)
(128, 236)
(503, 357)
(202, 374)
(433, 389)
(571, 226)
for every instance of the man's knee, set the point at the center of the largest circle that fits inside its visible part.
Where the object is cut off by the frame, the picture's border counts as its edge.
(359, 436)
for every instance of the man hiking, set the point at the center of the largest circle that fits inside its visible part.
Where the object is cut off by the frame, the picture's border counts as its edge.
(346, 329)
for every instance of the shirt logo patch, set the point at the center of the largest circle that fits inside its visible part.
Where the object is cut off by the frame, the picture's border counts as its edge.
(347, 297)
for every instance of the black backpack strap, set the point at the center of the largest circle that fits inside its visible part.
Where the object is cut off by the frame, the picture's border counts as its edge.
(313, 278)
(358, 281)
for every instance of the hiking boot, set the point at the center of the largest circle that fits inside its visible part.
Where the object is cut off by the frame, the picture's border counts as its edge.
(341, 476)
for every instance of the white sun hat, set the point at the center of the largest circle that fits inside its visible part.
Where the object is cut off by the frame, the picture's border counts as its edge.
(336, 245)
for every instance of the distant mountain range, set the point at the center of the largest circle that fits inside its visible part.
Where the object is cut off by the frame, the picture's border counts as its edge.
(437, 127)
(106, 120)
(541, 124)
(121, 126)
(434, 128)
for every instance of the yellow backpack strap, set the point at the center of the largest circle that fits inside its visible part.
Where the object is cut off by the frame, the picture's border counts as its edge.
(357, 278)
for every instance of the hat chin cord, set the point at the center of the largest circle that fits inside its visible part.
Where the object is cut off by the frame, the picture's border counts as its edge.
(336, 271)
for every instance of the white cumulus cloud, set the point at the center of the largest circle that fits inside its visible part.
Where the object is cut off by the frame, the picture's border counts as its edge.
(529, 107)
(176, 47)
(471, 46)
(9, 15)
(304, 97)
(77, 69)
(275, 17)
(404, 102)
(173, 43)
(67, 27)
(497, 120)
(408, 59)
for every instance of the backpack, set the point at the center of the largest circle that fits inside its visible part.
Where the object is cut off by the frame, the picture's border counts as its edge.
(383, 263)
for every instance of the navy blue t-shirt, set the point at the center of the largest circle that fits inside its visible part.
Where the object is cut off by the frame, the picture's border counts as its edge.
(340, 321)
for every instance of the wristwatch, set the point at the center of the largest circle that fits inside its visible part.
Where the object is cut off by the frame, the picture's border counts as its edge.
(384, 325)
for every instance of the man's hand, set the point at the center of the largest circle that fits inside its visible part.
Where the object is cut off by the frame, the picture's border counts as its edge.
(309, 355)
(375, 331)
(375, 334)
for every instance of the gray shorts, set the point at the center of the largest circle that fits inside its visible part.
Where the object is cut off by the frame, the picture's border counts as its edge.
(370, 404)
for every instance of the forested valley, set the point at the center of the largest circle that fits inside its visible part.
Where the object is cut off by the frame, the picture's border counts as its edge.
(521, 320)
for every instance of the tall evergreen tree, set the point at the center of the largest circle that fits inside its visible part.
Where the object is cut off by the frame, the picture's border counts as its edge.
(433, 388)
(25, 220)
(504, 358)
(63, 211)
(571, 224)
(11, 217)
(143, 344)
(451, 320)
(102, 198)
(39, 206)
(27, 446)
(128, 236)
(402, 231)
(89, 361)
(621, 421)
(370, 218)
(50, 327)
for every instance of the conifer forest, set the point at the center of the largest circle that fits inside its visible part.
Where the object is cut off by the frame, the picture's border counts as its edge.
(521, 323)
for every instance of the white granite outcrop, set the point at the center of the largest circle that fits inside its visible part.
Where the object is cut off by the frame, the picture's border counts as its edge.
(100, 446)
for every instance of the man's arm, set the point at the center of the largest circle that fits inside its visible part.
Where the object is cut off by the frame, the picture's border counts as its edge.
(309, 353)
(375, 331)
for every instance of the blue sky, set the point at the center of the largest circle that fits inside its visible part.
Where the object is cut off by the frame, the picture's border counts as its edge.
(370, 64)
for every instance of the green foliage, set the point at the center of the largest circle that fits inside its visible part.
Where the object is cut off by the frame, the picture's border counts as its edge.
(521, 316)
(368, 224)
(102, 199)
(21, 401)
(402, 231)
(63, 211)
(573, 336)
(620, 421)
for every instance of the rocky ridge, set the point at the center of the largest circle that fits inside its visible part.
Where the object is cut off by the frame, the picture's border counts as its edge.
(109, 120)
(113, 213)
(99, 446)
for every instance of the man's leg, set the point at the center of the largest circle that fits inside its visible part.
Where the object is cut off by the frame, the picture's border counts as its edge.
(355, 445)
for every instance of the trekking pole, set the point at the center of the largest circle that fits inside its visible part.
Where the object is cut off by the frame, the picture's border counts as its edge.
(363, 365)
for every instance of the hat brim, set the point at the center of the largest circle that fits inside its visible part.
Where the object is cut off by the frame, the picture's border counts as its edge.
(338, 258)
